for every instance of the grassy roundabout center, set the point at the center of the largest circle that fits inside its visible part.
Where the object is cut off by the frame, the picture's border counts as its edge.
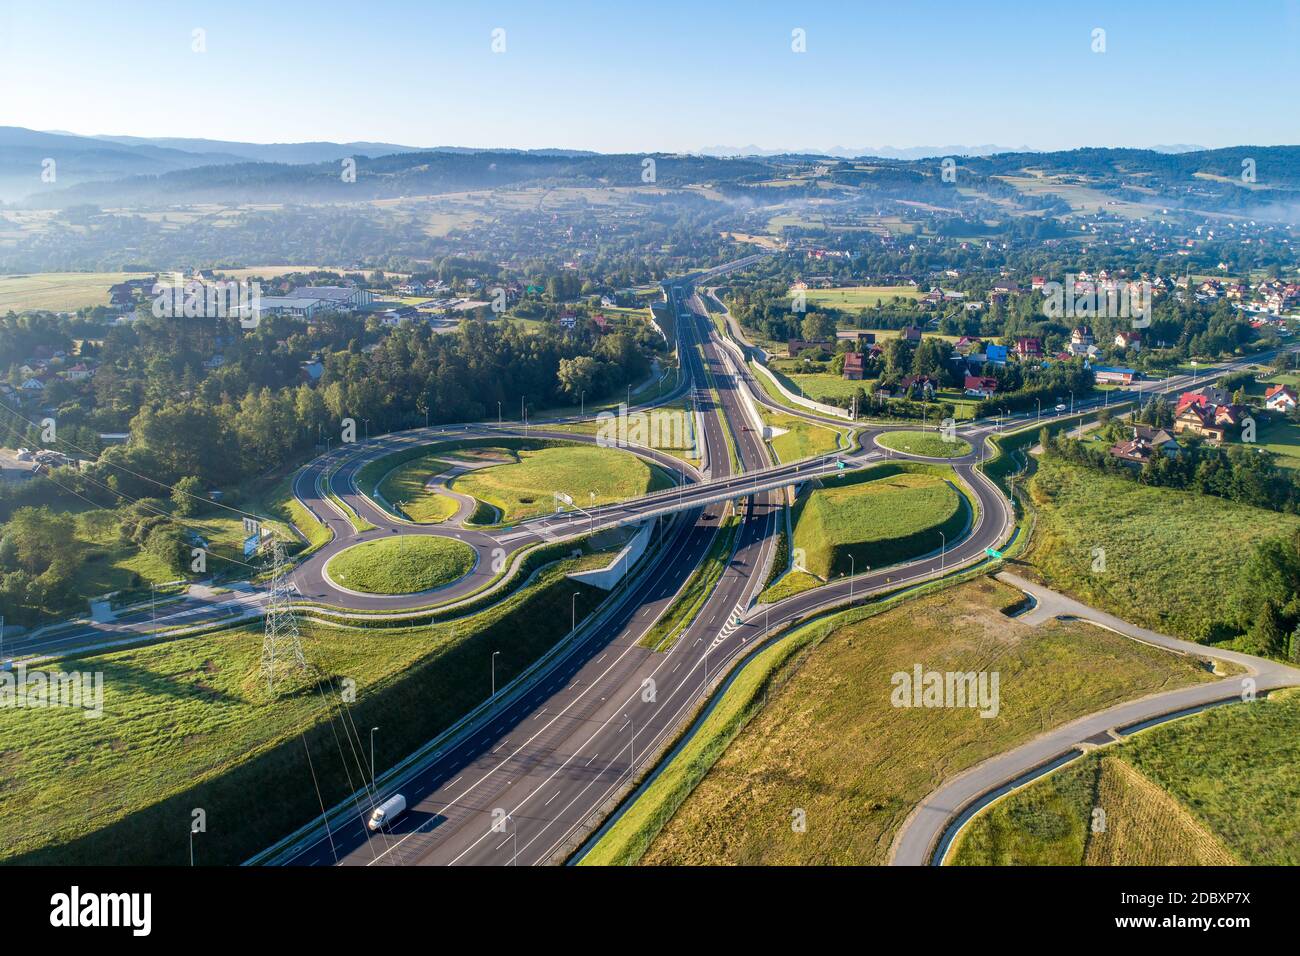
(925, 444)
(401, 565)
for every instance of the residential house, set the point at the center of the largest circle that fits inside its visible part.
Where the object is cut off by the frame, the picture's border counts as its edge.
(1029, 347)
(1158, 438)
(924, 385)
(795, 346)
(996, 354)
(911, 334)
(78, 373)
(1128, 340)
(1197, 419)
(854, 366)
(1280, 398)
(981, 386)
(1205, 395)
(855, 335)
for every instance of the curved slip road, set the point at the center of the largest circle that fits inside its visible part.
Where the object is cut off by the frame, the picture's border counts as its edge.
(927, 833)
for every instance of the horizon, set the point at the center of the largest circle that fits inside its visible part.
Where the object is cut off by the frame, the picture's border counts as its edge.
(589, 78)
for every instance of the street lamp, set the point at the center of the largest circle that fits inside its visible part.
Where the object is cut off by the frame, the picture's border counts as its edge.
(367, 421)
(494, 672)
(852, 571)
(498, 414)
(943, 548)
(372, 755)
(573, 613)
(582, 410)
(632, 768)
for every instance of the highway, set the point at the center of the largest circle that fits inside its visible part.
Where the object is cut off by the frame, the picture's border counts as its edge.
(525, 782)
(534, 783)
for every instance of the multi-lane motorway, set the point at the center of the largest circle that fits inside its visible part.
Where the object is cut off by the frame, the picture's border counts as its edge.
(541, 766)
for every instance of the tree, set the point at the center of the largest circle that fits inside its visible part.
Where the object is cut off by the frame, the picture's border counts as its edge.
(186, 495)
(167, 543)
(576, 375)
(1267, 637)
(817, 327)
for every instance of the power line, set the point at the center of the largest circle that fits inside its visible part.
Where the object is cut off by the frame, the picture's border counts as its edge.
(142, 502)
(17, 414)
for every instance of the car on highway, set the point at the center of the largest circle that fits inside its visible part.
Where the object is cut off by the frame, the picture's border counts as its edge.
(1060, 408)
(387, 812)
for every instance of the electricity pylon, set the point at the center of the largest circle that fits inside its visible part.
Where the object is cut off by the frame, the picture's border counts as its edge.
(281, 643)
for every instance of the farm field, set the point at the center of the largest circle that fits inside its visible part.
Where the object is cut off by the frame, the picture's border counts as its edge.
(401, 565)
(188, 723)
(59, 291)
(926, 444)
(526, 487)
(69, 291)
(1217, 787)
(861, 297)
(877, 517)
(1149, 538)
(828, 740)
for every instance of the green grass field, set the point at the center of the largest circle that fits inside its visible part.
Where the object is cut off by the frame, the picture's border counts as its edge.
(1282, 438)
(404, 487)
(668, 428)
(821, 386)
(525, 488)
(861, 297)
(1226, 785)
(879, 516)
(401, 565)
(1051, 822)
(187, 724)
(802, 438)
(925, 444)
(828, 741)
(1149, 540)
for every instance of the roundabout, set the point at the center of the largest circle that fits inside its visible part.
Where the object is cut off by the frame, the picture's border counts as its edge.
(407, 564)
(923, 444)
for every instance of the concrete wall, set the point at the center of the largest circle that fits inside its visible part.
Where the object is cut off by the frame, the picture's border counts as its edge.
(608, 576)
(800, 399)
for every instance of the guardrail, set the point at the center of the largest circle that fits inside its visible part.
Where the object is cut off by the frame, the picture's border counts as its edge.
(466, 726)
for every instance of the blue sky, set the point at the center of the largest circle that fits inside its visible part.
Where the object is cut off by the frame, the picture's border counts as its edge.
(641, 76)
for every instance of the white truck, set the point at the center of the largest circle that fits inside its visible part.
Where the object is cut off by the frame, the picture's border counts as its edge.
(387, 812)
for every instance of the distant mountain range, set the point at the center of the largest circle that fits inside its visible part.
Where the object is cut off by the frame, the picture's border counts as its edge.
(908, 152)
(125, 171)
(82, 159)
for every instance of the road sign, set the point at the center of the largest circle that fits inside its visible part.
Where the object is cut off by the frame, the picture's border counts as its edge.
(252, 526)
(840, 465)
(993, 553)
(251, 543)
